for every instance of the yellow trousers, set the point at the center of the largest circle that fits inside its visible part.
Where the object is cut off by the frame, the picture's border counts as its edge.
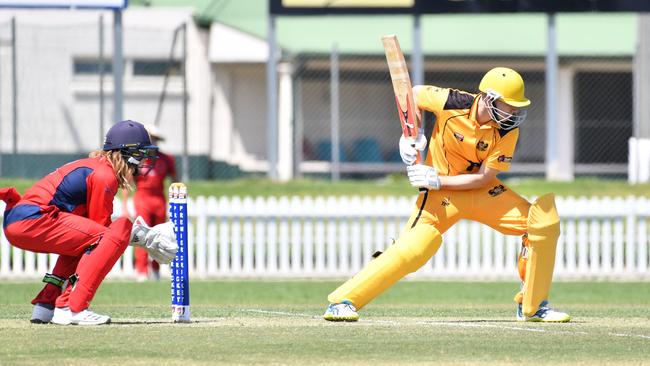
(494, 205)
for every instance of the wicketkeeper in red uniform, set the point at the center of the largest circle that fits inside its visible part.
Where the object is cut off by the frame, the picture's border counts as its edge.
(150, 199)
(68, 213)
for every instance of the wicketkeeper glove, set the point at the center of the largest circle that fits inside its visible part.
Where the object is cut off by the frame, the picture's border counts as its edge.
(423, 176)
(409, 152)
(159, 241)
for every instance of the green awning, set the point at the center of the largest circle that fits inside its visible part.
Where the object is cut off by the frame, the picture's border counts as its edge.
(583, 34)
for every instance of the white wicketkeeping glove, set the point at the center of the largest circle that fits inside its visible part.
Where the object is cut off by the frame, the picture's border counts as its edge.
(409, 152)
(159, 241)
(423, 176)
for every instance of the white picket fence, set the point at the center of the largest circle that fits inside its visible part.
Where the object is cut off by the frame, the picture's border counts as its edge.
(327, 237)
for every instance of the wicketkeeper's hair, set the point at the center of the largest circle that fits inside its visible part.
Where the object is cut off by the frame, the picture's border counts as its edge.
(122, 171)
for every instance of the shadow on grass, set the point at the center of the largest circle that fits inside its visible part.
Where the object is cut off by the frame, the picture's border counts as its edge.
(505, 321)
(164, 322)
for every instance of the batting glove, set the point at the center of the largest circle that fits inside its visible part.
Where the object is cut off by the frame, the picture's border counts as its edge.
(423, 176)
(408, 148)
(159, 241)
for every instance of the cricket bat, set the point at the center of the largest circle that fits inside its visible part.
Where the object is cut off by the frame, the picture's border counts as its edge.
(399, 75)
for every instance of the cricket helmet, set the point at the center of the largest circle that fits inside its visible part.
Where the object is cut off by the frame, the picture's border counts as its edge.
(132, 140)
(506, 85)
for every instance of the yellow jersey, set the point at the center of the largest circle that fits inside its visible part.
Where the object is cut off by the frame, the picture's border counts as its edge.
(459, 144)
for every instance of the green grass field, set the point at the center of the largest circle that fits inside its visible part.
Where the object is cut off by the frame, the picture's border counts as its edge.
(278, 322)
(393, 185)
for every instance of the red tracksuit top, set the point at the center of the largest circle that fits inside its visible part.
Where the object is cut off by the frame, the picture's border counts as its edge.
(84, 187)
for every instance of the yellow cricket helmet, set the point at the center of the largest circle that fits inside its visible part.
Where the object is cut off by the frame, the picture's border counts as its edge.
(507, 83)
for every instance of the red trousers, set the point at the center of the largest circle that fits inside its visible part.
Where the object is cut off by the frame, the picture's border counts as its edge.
(153, 209)
(85, 247)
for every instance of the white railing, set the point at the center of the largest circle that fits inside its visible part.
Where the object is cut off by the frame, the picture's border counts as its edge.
(334, 237)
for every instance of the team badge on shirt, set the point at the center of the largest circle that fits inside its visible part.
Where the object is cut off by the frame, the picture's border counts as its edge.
(504, 159)
(458, 136)
(497, 190)
(472, 165)
(481, 146)
(445, 202)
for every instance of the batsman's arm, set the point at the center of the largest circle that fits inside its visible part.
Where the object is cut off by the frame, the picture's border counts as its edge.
(427, 98)
(465, 182)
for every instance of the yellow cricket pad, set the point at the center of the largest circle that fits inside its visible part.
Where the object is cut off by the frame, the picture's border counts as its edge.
(543, 232)
(410, 252)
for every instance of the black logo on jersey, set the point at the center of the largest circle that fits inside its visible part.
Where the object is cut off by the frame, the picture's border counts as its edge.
(497, 190)
(445, 202)
(481, 146)
(504, 159)
(472, 165)
(458, 136)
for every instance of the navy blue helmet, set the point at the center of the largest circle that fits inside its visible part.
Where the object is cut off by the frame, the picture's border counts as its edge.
(132, 140)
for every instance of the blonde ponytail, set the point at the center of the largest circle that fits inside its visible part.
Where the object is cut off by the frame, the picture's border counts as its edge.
(120, 167)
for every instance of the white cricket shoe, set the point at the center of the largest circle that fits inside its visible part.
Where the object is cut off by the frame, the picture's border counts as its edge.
(42, 313)
(344, 311)
(544, 314)
(64, 316)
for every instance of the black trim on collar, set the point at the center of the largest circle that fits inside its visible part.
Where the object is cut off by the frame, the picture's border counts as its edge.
(458, 100)
(504, 132)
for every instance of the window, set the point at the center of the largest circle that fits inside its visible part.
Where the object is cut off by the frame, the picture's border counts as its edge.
(91, 67)
(156, 67)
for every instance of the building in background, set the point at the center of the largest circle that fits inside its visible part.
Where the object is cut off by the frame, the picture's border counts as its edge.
(58, 84)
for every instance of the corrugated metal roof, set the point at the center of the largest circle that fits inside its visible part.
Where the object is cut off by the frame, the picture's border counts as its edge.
(585, 34)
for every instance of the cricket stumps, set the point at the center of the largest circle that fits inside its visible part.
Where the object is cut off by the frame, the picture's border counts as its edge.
(180, 285)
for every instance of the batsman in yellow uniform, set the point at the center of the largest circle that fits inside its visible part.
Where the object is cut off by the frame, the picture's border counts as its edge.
(474, 139)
